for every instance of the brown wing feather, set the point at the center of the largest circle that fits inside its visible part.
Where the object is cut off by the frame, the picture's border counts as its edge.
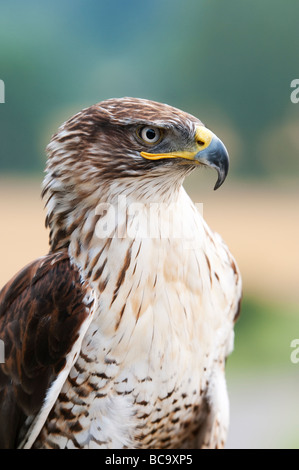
(41, 311)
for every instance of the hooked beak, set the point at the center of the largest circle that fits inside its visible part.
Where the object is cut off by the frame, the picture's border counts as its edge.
(214, 155)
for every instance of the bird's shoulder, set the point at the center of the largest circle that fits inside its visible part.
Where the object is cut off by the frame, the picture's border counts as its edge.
(42, 309)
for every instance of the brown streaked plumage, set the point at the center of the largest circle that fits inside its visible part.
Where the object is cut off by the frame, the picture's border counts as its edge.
(41, 312)
(118, 337)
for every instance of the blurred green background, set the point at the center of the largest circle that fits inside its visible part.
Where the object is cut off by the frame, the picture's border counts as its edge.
(230, 63)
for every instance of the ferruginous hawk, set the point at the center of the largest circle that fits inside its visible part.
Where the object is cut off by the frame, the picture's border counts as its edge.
(118, 337)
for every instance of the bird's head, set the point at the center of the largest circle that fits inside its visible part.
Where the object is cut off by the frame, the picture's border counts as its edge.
(127, 143)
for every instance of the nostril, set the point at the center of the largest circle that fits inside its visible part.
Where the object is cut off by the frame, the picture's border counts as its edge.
(203, 137)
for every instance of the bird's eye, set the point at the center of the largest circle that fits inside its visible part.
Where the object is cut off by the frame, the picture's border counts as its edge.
(150, 135)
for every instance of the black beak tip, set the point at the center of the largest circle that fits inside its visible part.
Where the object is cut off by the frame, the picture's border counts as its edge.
(221, 178)
(218, 184)
(222, 166)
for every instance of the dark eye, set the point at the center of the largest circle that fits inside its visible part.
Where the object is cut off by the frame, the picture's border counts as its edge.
(150, 135)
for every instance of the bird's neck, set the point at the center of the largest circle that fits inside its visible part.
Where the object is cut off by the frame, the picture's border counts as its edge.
(120, 240)
(126, 218)
(75, 213)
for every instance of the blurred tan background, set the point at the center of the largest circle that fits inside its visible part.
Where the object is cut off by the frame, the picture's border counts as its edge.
(232, 67)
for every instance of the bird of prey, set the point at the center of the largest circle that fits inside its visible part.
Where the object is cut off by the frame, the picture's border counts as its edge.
(117, 338)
